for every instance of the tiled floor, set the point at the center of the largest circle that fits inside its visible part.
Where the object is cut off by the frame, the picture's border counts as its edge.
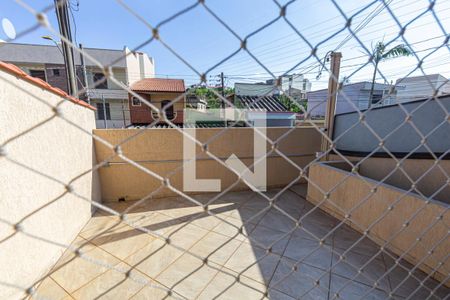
(256, 252)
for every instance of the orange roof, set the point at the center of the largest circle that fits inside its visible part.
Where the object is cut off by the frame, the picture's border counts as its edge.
(16, 71)
(159, 85)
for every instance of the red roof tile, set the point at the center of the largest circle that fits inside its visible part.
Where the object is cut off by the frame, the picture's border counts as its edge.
(16, 71)
(159, 85)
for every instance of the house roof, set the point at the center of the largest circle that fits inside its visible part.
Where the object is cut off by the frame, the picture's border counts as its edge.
(264, 103)
(16, 71)
(49, 54)
(159, 85)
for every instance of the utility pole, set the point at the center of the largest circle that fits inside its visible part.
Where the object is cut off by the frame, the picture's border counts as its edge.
(62, 15)
(83, 68)
(333, 81)
(104, 111)
(223, 89)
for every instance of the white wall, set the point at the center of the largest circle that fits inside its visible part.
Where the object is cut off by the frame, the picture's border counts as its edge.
(139, 66)
(54, 148)
(422, 87)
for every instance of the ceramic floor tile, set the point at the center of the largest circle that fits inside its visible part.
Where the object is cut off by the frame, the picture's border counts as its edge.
(186, 236)
(405, 284)
(113, 284)
(216, 247)
(49, 289)
(100, 223)
(309, 252)
(300, 189)
(276, 220)
(206, 221)
(346, 237)
(160, 224)
(304, 282)
(188, 275)
(343, 288)
(348, 266)
(154, 258)
(225, 286)
(231, 228)
(153, 293)
(253, 262)
(122, 241)
(268, 238)
(73, 272)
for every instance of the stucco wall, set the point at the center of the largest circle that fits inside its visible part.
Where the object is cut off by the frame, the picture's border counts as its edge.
(54, 148)
(393, 219)
(161, 151)
(430, 176)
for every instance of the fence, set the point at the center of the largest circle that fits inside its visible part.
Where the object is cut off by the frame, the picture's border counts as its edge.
(354, 221)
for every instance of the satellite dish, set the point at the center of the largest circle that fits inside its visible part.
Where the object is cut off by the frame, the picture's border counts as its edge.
(8, 28)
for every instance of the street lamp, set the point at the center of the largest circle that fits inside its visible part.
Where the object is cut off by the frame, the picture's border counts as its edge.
(49, 38)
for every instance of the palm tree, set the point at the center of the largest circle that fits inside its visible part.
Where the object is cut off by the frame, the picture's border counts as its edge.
(381, 54)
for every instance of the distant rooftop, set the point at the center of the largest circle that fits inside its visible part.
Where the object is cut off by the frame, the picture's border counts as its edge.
(264, 103)
(159, 85)
(50, 54)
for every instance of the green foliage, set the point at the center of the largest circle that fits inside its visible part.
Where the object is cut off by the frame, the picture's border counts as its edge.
(291, 106)
(209, 94)
(381, 54)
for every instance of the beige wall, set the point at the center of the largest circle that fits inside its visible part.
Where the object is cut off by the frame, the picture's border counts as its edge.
(350, 195)
(54, 148)
(430, 176)
(160, 150)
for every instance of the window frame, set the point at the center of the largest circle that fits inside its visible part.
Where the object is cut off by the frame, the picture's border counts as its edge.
(100, 110)
(101, 86)
(136, 105)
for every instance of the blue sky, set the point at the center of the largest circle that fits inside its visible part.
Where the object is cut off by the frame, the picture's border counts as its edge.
(203, 41)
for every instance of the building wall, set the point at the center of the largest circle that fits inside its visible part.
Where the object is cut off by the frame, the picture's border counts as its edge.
(161, 150)
(119, 113)
(54, 148)
(389, 215)
(351, 96)
(143, 114)
(139, 66)
(422, 87)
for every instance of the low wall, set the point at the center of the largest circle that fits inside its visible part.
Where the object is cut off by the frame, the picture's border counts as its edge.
(161, 151)
(50, 146)
(430, 176)
(352, 197)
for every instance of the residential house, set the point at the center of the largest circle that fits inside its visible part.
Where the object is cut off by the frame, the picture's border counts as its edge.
(295, 86)
(160, 92)
(111, 100)
(350, 97)
(419, 87)
(269, 108)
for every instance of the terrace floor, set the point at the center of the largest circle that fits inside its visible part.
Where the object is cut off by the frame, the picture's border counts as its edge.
(208, 258)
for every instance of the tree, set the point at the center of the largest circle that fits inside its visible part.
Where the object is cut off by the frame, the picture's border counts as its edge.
(207, 93)
(380, 54)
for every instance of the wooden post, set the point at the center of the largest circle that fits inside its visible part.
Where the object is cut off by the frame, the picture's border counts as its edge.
(335, 63)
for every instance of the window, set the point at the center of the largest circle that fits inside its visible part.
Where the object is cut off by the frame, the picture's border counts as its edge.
(376, 98)
(100, 81)
(101, 113)
(38, 74)
(169, 109)
(135, 101)
(56, 72)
